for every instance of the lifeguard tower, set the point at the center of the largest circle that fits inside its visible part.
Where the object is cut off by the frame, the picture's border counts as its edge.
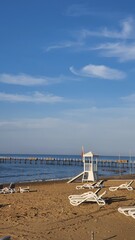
(90, 172)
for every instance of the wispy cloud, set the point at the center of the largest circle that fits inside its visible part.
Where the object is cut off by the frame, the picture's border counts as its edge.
(64, 45)
(22, 79)
(126, 31)
(36, 97)
(98, 71)
(129, 99)
(27, 80)
(122, 51)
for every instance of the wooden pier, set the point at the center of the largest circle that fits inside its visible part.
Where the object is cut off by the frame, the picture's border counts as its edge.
(68, 161)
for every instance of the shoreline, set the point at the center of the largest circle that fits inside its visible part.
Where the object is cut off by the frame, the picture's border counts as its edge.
(105, 178)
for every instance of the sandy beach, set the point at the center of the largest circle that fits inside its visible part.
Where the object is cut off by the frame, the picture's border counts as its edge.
(46, 213)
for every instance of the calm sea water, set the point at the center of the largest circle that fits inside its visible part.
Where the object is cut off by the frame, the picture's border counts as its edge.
(23, 172)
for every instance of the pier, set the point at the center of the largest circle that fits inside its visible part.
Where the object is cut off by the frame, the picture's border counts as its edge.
(42, 160)
(119, 164)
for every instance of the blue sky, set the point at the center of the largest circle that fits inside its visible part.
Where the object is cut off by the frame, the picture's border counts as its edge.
(67, 76)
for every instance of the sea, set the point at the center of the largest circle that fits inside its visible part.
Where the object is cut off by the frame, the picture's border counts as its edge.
(37, 171)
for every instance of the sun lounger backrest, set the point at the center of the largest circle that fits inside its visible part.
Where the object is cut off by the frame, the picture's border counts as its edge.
(97, 190)
(130, 183)
(102, 194)
(11, 186)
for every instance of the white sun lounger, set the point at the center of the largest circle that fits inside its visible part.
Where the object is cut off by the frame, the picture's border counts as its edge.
(85, 186)
(9, 189)
(126, 210)
(131, 213)
(22, 190)
(91, 185)
(122, 186)
(76, 200)
(83, 194)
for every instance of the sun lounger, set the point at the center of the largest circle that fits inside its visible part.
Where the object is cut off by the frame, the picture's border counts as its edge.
(22, 190)
(85, 186)
(10, 189)
(99, 184)
(76, 200)
(131, 213)
(126, 210)
(122, 186)
(83, 194)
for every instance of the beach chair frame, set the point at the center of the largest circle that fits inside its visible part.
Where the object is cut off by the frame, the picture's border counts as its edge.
(76, 200)
(132, 213)
(126, 186)
(127, 210)
(23, 190)
(98, 184)
(9, 189)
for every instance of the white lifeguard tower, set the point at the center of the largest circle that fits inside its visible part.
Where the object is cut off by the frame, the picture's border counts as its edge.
(90, 171)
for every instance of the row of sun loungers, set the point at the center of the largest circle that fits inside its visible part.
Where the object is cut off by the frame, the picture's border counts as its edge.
(99, 184)
(11, 189)
(90, 196)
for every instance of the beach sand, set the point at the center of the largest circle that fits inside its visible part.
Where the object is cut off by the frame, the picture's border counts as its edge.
(47, 214)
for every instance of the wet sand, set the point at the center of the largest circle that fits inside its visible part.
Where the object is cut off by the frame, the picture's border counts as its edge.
(47, 213)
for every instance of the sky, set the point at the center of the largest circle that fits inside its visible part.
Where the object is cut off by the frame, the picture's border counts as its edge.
(67, 76)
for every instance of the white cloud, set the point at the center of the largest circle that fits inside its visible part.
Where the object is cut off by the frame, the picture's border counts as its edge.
(37, 97)
(128, 28)
(98, 71)
(123, 51)
(66, 44)
(127, 31)
(27, 80)
(22, 79)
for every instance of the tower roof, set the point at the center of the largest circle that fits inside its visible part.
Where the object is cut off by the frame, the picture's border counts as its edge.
(89, 154)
